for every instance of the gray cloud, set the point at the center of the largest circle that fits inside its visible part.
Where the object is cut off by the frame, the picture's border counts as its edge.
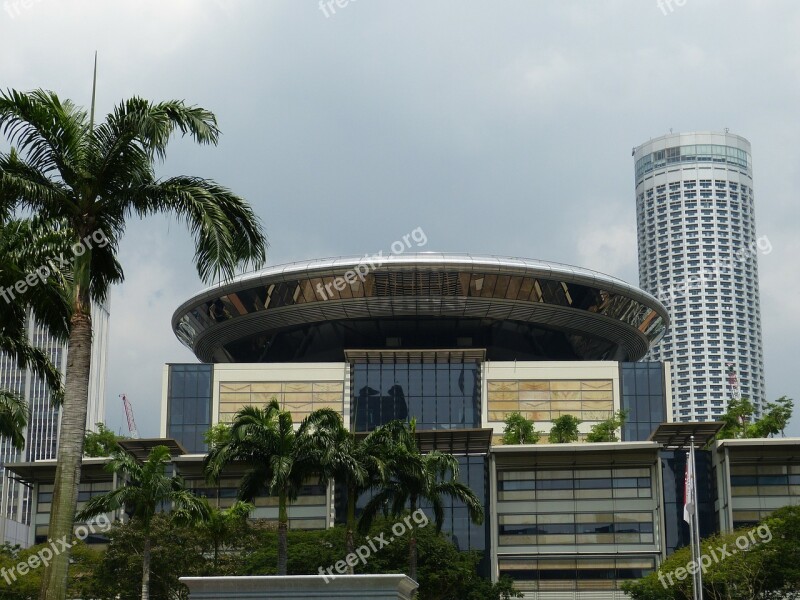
(499, 128)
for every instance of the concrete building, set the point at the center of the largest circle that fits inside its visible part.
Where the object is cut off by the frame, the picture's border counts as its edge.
(44, 419)
(458, 342)
(698, 249)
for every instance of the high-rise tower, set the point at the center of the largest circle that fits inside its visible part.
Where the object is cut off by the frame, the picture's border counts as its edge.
(698, 254)
(41, 435)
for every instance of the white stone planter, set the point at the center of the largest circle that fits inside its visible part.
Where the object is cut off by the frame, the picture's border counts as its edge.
(307, 587)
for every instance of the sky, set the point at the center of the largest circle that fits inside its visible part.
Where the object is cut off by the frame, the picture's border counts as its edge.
(499, 128)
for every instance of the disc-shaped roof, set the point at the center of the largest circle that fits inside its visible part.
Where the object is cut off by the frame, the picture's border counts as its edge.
(515, 308)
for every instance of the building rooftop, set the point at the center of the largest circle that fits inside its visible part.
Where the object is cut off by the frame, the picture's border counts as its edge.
(514, 308)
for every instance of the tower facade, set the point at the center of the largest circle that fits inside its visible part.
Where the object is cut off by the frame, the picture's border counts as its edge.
(41, 435)
(698, 254)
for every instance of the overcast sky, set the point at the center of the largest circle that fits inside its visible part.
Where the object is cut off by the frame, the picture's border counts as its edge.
(497, 127)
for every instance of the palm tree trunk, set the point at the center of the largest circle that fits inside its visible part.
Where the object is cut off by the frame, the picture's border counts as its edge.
(70, 444)
(351, 521)
(283, 528)
(412, 545)
(146, 569)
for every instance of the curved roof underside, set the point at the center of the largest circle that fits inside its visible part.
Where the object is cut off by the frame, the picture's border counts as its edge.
(516, 308)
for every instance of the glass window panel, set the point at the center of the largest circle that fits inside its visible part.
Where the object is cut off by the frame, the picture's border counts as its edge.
(443, 380)
(428, 383)
(642, 382)
(415, 380)
(387, 377)
(593, 484)
(176, 411)
(443, 410)
(177, 384)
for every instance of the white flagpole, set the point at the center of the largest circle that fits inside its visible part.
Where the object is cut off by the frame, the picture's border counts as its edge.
(688, 514)
(699, 575)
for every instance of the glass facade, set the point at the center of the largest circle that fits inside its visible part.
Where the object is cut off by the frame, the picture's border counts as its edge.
(502, 339)
(465, 534)
(673, 464)
(562, 528)
(441, 395)
(692, 154)
(754, 489)
(189, 404)
(570, 574)
(643, 396)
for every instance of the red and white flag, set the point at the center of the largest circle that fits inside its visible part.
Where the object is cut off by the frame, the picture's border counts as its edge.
(688, 490)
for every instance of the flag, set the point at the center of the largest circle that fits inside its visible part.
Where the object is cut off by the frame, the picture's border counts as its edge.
(688, 490)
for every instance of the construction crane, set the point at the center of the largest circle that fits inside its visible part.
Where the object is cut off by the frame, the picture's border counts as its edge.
(129, 414)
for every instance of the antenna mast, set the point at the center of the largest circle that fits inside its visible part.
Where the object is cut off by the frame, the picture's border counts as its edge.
(94, 92)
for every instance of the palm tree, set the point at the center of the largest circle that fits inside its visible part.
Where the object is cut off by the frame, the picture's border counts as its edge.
(415, 477)
(25, 245)
(225, 524)
(146, 489)
(358, 463)
(278, 458)
(92, 178)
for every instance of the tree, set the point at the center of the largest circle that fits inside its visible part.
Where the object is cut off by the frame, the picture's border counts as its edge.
(62, 166)
(217, 435)
(606, 431)
(565, 429)
(175, 552)
(277, 459)
(764, 564)
(17, 586)
(443, 573)
(415, 477)
(519, 430)
(358, 463)
(776, 416)
(225, 525)
(102, 442)
(147, 487)
(738, 420)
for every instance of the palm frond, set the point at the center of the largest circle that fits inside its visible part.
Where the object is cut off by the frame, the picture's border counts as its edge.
(13, 417)
(50, 132)
(106, 503)
(19, 179)
(35, 359)
(226, 231)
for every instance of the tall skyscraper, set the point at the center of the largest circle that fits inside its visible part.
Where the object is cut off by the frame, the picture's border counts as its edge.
(698, 254)
(41, 436)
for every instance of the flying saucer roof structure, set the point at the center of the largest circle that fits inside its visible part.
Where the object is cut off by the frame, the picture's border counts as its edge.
(514, 309)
